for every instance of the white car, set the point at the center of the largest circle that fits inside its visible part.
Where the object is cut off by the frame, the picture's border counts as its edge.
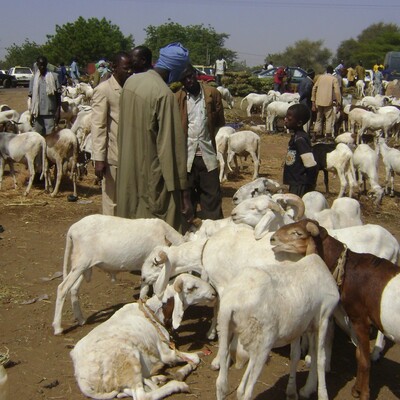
(22, 74)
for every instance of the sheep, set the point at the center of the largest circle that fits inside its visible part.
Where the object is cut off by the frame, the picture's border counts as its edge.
(391, 160)
(119, 357)
(203, 229)
(8, 117)
(375, 101)
(360, 86)
(314, 202)
(264, 213)
(87, 90)
(221, 141)
(20, 148)
(62, 150)
(282, 302)
(365, 162)
(24, 122)
(226, 95)
(255, 188)
(289, 97)
(254, 99)
(375, 122)
(348, 138)
(243, 143)
(355, 118)
(276, 109)
(121, 245)
(338, 158)
(82, 124)
(368, 287)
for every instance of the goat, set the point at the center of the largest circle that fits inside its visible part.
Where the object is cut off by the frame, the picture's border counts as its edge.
(368, 286)
(19, 148)
(282, 302)
(121, 245)
(120, 356)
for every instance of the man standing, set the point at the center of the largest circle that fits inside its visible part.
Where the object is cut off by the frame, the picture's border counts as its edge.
(325, 95)
(202, 115)
(220, 67)
(45, 95)
(141, 59)
(305, 90)
(74, 72)
(151, 177)
(360, 71)
(105, 117)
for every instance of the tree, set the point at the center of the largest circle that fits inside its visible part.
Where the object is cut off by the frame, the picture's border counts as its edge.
(371, 45)
(305, 54)
(87, 40)
(24, 55)
(203, 43)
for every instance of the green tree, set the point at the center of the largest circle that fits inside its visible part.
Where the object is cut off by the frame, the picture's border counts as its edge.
(24, 55)
(304, 54)
(204, 43)
(371, 45)
(87, 40)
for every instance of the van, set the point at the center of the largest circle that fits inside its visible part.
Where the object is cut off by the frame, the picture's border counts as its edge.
(392, 61)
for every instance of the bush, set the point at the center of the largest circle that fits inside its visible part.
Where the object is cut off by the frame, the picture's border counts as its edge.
(242, 83)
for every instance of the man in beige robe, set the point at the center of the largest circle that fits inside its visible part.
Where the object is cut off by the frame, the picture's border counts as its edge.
(152, 178)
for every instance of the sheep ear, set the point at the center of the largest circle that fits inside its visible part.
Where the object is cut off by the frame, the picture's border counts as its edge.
(263, 225)
(178, 284)
(177, 314)
(312, 228)
(163, 279)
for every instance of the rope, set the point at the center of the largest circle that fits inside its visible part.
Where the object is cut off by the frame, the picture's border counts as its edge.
(338, 273)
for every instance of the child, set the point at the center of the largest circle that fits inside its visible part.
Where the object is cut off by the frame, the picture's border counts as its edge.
(300, 170)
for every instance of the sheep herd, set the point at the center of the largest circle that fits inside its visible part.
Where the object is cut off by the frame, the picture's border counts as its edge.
(291, 296)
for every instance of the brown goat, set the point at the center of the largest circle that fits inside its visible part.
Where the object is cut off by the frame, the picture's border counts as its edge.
(362, 280)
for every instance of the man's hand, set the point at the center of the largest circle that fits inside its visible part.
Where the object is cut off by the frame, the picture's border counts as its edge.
(187, 207)
(99, 169)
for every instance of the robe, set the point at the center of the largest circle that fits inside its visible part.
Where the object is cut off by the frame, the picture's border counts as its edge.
(152, 151)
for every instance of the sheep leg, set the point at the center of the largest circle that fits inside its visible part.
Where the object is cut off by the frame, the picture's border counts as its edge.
(249, 109)
(343, 183)
(392, 183)
(31, 168)
(326, 180)
(253, 370)
(212, 332)
(157, 394)
(58, 179)
(224, 361)
(75, 301)
(379, 346)
(63, 288)
(256, 165)
(295, 352)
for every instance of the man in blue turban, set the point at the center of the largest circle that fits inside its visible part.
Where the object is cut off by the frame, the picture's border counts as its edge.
(152, 178)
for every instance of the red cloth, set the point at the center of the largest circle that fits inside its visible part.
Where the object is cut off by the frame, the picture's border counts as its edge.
(279, 75)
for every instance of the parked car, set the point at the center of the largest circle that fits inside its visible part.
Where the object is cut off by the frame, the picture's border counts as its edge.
(7, 81)
(202, 76)
(296, 73)
(22, 74)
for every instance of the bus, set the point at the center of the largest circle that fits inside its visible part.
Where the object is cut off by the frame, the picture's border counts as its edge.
(392, 61)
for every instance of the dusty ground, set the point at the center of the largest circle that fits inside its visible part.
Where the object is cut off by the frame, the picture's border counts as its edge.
(32, 247)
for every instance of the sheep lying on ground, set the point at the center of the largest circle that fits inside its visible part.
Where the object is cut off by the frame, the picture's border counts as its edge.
(111, 243)
(121, 356)
(282, 302)
(255, 188)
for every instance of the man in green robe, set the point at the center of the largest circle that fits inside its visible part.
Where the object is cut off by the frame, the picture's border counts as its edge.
(152, 178)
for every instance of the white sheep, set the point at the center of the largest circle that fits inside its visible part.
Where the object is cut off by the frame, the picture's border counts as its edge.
(226, 95)
(360, 86)
(255, 188)
(391, 160)
(111, 243)
(365, 162)
(276, 109)
(375, 101)
(24, 122)
(221, 141)
(24, 147)
(254, 99)
(374, 122)
(242, 144)
(314, 202)
(289, 97)
(62, 150)
(282, 302)
(120, 357)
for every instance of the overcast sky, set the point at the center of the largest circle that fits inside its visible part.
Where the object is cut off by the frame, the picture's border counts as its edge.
(256, 27)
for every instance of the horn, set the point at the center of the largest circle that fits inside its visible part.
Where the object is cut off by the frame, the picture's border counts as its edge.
(294, 201)
(271, 187)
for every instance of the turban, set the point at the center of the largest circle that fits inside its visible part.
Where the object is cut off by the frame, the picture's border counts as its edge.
(174, 58)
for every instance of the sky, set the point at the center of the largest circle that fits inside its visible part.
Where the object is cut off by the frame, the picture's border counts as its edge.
(256, 28)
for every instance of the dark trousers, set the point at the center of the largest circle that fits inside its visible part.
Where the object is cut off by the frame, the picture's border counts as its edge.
(301, 190)
(205, 190)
